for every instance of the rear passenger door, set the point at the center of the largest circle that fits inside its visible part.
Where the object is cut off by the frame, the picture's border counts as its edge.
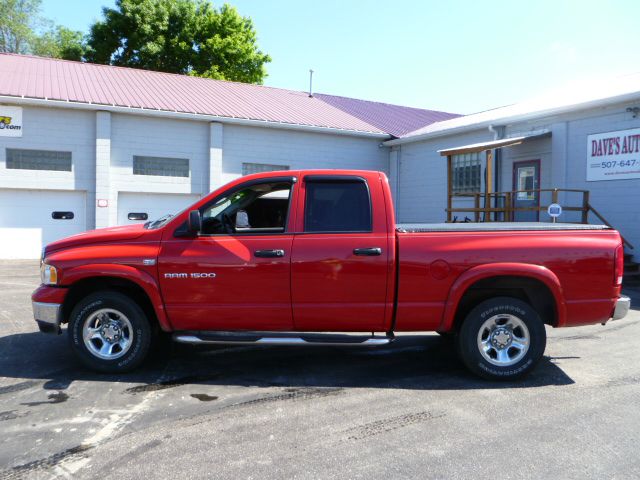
(339, 256)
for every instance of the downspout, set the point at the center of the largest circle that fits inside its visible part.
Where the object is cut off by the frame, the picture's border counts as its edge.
(498, 133)
(497, 158)
(397, 199)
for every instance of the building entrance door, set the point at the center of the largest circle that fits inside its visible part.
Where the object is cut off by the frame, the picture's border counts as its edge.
(526, 182)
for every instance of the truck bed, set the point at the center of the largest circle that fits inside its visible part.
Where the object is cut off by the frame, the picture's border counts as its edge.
(493, 227)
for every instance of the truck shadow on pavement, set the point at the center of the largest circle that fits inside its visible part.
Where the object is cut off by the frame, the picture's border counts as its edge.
(425, 362)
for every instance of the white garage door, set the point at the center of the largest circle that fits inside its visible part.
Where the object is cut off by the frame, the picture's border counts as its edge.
(30, 219)
(140, 207)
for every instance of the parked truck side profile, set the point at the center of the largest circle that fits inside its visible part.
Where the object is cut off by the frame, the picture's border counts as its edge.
(286, 257)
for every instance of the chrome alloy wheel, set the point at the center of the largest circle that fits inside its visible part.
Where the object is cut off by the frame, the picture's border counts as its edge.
(107, 334)
(503, 340)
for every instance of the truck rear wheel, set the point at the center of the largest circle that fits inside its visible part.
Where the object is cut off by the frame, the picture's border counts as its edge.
(109, 332)
(503, 338)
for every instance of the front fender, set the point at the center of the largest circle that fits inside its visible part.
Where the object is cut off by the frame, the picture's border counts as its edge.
(126, 272)
(480, 272)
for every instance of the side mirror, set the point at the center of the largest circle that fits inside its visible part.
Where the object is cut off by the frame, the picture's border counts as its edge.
(194, 224)
(242, 219)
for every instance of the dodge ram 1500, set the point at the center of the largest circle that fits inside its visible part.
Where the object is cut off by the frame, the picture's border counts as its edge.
(286, 257)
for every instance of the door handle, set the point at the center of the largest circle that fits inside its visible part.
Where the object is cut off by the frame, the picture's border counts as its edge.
(368, 252)
(269, 253)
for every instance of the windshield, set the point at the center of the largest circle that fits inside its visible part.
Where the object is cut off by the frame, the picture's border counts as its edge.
(224, 203)
(153, 224)
(219, 206)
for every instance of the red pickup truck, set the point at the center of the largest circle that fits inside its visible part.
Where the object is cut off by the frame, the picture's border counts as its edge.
(286, 257)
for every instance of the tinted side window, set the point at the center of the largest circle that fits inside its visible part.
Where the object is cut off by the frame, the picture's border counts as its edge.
(342, 206)
(261, 208)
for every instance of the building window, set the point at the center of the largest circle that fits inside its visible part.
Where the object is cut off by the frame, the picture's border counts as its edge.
(160, 166)
(38, 160)
(467, 173)
(249, 168)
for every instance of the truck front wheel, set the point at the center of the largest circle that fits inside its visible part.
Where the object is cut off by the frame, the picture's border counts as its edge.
(109, 332)
(502, 338)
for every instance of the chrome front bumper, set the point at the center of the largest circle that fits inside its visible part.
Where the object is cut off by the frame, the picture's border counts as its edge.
(622, 307)
(47, 315)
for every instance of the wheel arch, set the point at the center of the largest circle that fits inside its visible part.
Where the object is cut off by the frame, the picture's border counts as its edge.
(535, 284)
(139, 286)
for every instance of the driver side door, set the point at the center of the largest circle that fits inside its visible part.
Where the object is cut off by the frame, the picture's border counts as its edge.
(234, 277)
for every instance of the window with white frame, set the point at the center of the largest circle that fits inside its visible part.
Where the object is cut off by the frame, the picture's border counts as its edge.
(249, 168)
(467, 173)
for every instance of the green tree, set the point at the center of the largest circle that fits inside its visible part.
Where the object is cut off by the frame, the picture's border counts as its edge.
(24, 30)
(178, 36)
(60, 42)
(18, 20)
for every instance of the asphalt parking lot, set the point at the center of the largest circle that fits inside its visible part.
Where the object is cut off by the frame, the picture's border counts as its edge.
(405, 411)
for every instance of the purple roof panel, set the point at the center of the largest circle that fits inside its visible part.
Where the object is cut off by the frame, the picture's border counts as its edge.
(392, 119)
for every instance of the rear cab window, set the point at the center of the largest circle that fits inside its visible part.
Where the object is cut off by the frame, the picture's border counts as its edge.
(337, 204)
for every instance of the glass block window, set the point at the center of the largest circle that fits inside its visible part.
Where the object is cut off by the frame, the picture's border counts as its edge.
(38, 160)
(467, 170)
(249, 168)
(160, 166)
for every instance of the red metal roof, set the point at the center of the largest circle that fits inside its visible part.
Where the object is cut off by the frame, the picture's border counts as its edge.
(53, 79)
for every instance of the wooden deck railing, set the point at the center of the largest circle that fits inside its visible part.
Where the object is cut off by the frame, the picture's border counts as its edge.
(500, 206)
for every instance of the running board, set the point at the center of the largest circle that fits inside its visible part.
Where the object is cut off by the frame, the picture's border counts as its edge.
(275, 338)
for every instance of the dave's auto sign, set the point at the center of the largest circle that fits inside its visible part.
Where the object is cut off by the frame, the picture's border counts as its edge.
(613, 155)
(10, 121)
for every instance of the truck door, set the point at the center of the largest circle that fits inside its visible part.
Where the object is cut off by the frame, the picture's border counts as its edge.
(234, 275)
(339, 261)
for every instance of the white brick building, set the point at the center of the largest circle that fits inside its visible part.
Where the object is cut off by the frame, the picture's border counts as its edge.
(556, 153)
(85, 146)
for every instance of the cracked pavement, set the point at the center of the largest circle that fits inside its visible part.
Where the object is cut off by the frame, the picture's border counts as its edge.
(409, 410)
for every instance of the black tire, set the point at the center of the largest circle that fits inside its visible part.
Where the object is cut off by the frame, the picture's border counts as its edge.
(448, 338)
(139, 333)
(446, 334)
(515, 360)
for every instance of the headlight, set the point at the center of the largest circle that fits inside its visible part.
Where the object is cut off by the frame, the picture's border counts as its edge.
(48, 274)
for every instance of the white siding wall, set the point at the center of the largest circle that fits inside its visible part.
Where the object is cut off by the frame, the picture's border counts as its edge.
(535, 150)
(423, 182)
(418, 170)
(61, 130)
(129, 135)
(298, 149)
(617, 200)
(564, 164)
(138, 135)
(422, 190)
